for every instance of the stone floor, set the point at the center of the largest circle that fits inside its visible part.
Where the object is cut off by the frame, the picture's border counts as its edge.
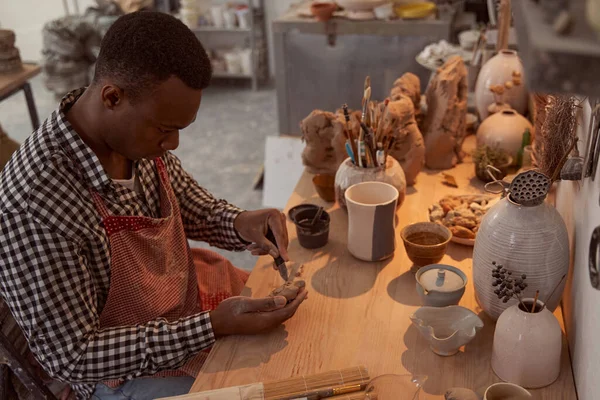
(223, 149)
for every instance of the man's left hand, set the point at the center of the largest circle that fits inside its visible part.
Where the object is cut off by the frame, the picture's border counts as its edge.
(252, 227)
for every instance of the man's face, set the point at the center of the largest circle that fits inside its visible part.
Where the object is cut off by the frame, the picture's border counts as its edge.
(150, 126)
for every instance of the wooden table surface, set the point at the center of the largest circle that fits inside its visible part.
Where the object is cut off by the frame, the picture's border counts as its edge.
(9, 82)
(358, 313)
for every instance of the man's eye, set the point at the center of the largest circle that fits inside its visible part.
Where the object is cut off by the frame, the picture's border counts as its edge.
(164, 130)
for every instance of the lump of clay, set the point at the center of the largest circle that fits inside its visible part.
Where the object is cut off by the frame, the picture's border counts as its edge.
(445, 124)
(460, 394)
(325, 150)
(408, 147)
(289, 290)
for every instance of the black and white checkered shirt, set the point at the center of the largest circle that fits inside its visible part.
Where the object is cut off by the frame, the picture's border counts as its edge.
(55, 257)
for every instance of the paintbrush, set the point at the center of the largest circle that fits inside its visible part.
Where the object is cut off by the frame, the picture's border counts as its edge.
(365, 104)
(350, 135)
(381, 120)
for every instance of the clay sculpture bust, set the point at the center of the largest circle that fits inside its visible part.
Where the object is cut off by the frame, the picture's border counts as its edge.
(445, 123)
(323, 133)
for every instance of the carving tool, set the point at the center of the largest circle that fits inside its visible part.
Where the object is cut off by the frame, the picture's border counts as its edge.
(279, 261)
(350, 133)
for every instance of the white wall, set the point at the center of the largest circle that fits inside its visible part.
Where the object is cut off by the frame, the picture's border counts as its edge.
(578, 202)
(27, 18)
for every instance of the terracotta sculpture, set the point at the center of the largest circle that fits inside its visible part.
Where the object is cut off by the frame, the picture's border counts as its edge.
(409, 85)
(445, 124)
(289, 290)
(408, 148)
(323, 133)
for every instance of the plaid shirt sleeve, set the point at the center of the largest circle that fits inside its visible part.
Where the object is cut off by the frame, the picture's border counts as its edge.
(47, 286)
(205, 218)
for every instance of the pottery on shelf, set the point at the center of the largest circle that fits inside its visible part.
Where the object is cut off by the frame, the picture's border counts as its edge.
(503, 130)
(440, 285)
(425, 242)
(529, 240)
(503, 390)
(323, 11)
(527, 346)
(446, 329)
(360, 5)
(349, 174)
(497, 71)
(371, 220)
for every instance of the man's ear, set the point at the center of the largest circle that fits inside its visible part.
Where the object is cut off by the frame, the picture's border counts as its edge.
(112, 96)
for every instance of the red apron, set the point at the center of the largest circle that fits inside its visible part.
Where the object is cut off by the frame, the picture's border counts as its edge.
(154, 273)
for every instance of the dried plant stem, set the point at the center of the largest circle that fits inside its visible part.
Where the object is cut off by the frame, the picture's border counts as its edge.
(553, 290)
(537, 294)
(557, 133)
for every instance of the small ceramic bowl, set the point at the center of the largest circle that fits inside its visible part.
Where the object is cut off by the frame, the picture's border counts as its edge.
(446, 329)
(323, 11)
(325, 186)
(440, 285)
(503, 391)
(311, 236)
(425, 242)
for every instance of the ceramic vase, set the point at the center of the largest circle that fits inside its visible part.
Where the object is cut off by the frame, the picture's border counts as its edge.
(526, 240)
(503, 130)
(371, 220)
(349, 174)
(527, 346)
(593, 14)
(497, 71)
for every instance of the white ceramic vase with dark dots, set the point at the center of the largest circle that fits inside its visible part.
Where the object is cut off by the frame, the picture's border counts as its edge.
(525, 240)
(371, 220)
(527, 346)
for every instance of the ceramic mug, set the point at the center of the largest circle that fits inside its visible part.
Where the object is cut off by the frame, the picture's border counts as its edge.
(371, 215)
(506, 391)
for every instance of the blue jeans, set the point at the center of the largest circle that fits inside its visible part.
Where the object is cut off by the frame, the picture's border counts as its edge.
(145, 389)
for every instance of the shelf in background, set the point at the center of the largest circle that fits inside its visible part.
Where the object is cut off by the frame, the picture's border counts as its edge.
(215, 29)
(228, 75)
(555, 63)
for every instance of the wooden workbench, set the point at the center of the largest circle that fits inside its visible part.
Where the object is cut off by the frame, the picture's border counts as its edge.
(358, 313)
(15, 81)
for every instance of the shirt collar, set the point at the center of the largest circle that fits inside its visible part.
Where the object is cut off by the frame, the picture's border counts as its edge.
(90, 167)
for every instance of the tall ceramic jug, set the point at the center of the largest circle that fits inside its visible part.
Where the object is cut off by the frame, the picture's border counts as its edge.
(371, 220)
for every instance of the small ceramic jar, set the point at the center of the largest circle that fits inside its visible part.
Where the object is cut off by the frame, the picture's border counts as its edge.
(527, 346)
(440, 285)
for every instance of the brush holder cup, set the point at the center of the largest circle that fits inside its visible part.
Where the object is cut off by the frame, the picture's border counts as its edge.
(349, 174)
(371, 220)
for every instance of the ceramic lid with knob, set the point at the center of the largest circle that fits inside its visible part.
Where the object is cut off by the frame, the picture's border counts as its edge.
(441, 278)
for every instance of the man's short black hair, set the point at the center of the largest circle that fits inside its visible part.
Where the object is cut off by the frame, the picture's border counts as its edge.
(145, 48)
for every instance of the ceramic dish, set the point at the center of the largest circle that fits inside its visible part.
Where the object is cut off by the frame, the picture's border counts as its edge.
(446, 329)
(416, 10)
(462, 215)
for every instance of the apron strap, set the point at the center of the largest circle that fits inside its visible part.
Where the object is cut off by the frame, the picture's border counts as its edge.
(100, 206)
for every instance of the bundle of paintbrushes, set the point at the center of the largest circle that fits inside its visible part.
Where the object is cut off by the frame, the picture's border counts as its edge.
(369, 147)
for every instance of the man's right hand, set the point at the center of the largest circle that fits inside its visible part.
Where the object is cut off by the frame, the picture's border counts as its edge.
(245, 316)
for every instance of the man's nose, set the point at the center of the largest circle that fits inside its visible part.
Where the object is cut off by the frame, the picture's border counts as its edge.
(171, 142)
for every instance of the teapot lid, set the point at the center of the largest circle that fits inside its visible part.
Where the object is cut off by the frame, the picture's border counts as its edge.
(441, 278)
